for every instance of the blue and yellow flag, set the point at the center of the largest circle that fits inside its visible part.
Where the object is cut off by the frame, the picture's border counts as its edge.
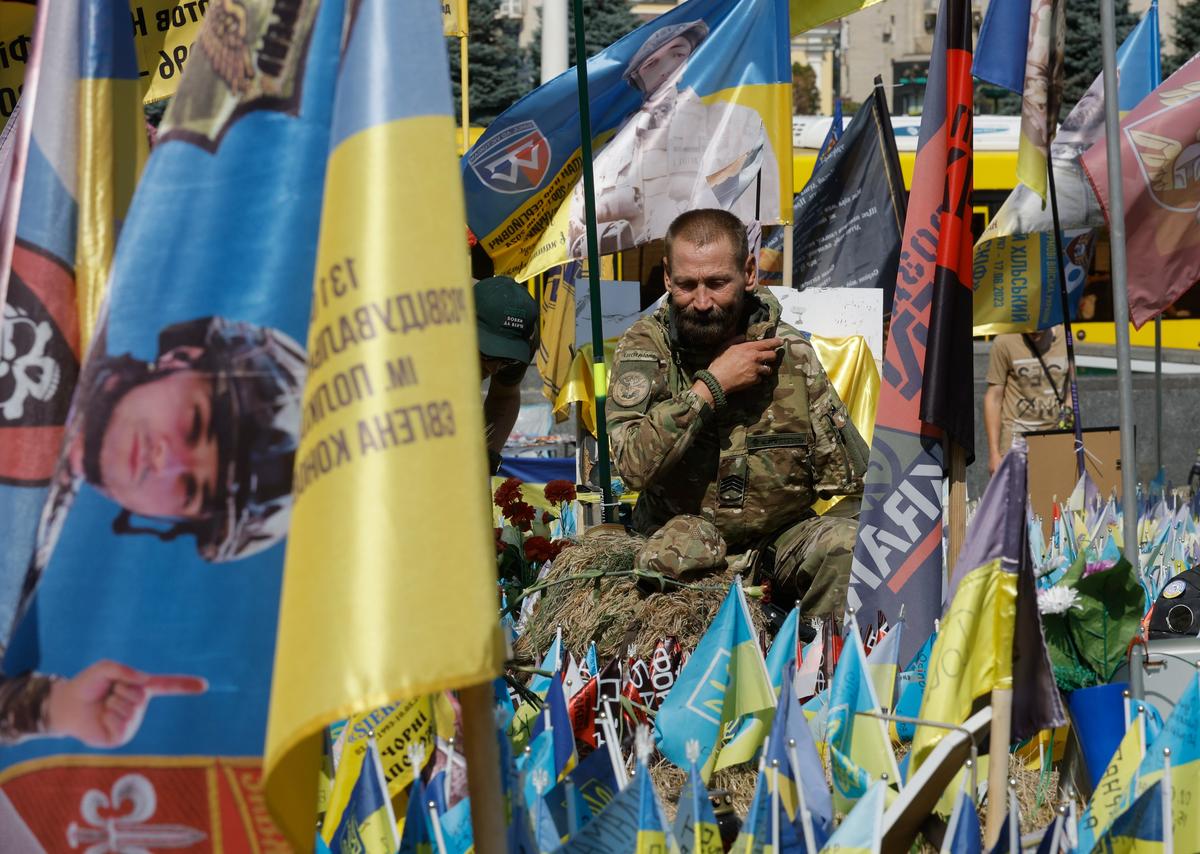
(367, 825)
(554, 724)
(751, 730)
(691, 110)
(78, 166)
(159, 552)
(801, 776)
(724, 680)
(962, 830)
(861, 831)
(695, 827)
(389, 405)
(859, 750)
(632, 821)
(1143, 828)
(1179, 737)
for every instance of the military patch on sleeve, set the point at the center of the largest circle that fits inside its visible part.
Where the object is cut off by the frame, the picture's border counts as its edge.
(631, 388)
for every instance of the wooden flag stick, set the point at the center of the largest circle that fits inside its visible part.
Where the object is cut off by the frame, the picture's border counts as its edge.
(998, 741)
(483, 768)
(957, 522)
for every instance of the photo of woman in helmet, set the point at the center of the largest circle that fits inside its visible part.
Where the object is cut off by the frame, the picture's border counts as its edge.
(198, 442)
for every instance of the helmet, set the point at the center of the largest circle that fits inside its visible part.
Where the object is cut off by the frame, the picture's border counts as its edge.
(258, 384)
(694, 31)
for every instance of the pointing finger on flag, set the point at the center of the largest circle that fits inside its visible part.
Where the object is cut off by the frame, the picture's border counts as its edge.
(168, 685)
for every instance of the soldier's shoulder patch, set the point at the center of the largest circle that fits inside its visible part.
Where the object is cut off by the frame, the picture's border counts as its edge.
(630, 388)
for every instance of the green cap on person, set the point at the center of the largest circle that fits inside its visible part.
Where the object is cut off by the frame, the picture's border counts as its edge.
(506, 317)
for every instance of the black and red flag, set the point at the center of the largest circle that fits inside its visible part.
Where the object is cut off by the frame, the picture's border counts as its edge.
(947, 398)
(927, 372)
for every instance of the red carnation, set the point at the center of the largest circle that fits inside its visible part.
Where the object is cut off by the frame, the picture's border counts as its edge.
(520, 514)
(558, 546)
(538, 549)
(559, 491)
(507, 492)
(547, 518)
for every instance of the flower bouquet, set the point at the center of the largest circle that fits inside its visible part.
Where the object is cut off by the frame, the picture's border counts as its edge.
(525, 544)
(1089, 618)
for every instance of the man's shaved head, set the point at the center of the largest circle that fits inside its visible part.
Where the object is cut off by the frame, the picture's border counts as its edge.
(709, 225)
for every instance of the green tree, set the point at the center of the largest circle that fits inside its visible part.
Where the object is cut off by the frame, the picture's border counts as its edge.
(604, 21)
(806, 98)
(1082, 60)
(498, 75)
(1187, 37)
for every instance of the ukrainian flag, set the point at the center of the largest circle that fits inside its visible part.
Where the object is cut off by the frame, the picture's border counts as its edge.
(859, 750)
(365, 617)
(368, 825)
(112, 146)
(725, 679)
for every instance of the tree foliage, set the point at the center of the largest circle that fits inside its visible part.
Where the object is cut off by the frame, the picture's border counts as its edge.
(1187, 37)
(806, 98)
(604, 21)
(498, 77)
(1082, 61)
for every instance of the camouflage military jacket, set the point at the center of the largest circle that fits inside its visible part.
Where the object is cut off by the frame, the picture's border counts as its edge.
(755, 466)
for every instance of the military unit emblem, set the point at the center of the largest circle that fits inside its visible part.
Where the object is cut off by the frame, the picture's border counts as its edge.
(515, 160)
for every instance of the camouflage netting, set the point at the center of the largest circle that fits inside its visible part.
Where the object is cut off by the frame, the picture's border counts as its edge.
(615, 611)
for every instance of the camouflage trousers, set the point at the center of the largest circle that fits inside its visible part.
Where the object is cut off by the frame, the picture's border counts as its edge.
(812, 564)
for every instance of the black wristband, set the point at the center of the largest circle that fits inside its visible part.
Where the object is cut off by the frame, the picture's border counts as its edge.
(714, 386)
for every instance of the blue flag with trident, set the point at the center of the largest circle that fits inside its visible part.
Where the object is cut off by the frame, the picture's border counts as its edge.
(724, 680)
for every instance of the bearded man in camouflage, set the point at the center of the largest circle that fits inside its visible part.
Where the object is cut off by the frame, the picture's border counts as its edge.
(720, 412)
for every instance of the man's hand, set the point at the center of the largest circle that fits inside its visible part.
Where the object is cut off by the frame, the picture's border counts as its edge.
(745, 363)
(104, 704)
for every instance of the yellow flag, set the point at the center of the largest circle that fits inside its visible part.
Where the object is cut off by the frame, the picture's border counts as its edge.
(806, 14)
(389, 586)
(454, 18)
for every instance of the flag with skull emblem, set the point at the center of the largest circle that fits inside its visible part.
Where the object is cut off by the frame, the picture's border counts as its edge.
(73, 172)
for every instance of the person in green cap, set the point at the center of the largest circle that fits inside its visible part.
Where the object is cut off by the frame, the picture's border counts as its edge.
(506, 318)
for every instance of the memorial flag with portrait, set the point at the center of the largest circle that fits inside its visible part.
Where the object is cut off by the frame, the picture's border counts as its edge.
(154, 581)
(692, 110)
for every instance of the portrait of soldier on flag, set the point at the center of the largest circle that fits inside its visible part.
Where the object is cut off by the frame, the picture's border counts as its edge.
(200, 440)
(203, 437)
(675, 154)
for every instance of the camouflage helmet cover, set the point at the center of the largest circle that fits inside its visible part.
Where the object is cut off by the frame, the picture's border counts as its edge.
(686, 544)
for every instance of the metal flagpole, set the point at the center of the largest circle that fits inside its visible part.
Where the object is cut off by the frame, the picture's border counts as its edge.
(1120, 289)
(1158, 409)
(599, 370)
(1066, 313)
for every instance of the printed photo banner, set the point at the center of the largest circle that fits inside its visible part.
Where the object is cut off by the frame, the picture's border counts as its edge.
(689, 111)
(164, 34)
(151, 605)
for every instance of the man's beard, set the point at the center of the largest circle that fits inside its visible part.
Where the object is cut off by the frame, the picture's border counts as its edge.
(707, 331)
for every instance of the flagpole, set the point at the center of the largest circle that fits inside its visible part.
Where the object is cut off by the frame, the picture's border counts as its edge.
(1120, 288)
(464, 73)
(1066, 313)
(482, 754)
(1158, 406)
(998, 744)
(599, 370)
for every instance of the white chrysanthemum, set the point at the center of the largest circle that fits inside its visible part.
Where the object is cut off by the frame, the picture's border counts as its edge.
(1057, 600)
